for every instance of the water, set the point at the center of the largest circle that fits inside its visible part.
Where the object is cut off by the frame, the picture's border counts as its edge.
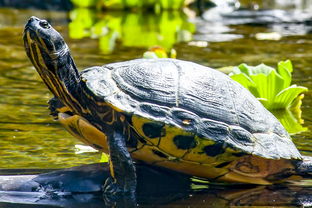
(29, 138)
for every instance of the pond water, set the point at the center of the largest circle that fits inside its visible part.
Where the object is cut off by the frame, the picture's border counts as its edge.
(29, 138)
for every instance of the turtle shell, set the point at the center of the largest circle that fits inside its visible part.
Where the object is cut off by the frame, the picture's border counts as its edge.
(197, 105)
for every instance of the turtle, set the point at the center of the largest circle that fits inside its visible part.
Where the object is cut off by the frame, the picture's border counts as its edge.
(165, 112)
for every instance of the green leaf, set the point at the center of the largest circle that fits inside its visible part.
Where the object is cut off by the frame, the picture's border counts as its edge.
(268, 86)
(289, 119)
(243, 68)
(247, 82)
(285, 69)
(261, 79)
(285, 98)
(260, 69)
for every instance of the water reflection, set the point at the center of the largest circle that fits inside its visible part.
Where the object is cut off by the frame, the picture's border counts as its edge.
(11, 19)
(213, 198)
(136, 4)
(131, 29)
(291, 120)
(80, 187)
(284, 17)
(276, 4)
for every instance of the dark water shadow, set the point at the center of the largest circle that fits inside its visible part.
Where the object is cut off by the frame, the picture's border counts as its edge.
(58, 5)
(81, 187)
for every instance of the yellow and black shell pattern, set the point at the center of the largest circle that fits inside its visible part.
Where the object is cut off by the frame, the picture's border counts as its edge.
(188, 117)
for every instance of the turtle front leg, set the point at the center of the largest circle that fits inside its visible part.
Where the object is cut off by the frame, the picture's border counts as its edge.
(123, 175)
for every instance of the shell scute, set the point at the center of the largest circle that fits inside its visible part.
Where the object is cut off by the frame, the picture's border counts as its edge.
(241, 136)
(213, 130)
(156, 111)
(184, 118)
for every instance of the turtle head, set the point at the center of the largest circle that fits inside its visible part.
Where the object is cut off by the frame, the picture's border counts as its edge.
(51, 57)
(41, 40)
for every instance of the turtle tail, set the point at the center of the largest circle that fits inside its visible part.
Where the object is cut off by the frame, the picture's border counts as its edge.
(304, 167)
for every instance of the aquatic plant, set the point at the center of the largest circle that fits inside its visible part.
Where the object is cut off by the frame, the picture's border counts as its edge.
(272, 87)
(132, 29)
(136, 4)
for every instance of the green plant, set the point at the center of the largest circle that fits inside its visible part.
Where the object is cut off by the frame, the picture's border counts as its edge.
(291, 121)
(272, 87)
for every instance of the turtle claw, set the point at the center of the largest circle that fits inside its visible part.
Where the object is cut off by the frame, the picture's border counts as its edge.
(111, 187)
(115, 195)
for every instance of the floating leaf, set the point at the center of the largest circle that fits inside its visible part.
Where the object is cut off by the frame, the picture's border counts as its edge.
(285, 69)
(287, 96)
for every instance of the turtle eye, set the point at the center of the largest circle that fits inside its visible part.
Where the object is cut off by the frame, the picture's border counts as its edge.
(44, 24)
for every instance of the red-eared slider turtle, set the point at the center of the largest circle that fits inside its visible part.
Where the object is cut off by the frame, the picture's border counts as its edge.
(166, 112)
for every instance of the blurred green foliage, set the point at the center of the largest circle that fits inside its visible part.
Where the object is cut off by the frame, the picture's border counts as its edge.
(132, 29)
(134, 4)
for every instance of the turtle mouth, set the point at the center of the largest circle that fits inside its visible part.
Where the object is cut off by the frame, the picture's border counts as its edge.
(36, 44)
(29, 35)
(31, 25)
(28, 41)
